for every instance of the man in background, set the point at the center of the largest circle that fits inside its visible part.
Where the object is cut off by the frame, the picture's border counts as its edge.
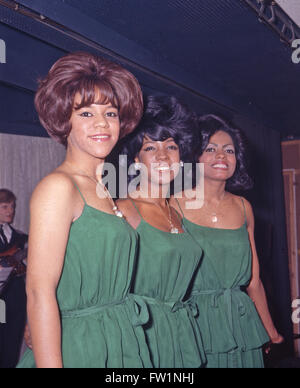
(12, 286)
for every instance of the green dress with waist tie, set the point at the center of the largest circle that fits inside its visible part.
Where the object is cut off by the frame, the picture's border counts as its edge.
(166, 265)
(101, 321)
(232, 331)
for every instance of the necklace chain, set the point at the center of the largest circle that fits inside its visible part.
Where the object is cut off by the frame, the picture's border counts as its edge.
(173, 229)
(115, 209)
(214, 215)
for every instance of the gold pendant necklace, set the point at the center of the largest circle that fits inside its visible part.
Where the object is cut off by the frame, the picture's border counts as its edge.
(214, 216)
(173, 229)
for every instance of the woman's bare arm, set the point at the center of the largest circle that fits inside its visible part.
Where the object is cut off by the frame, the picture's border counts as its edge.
(51, 216)
(256, 289)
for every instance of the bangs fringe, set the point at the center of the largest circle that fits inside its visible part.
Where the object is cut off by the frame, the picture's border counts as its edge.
(158, 133)
(95, 92)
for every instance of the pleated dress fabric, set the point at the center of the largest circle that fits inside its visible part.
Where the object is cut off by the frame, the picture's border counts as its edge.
(231, 328)
(102, 324)
(165, 267)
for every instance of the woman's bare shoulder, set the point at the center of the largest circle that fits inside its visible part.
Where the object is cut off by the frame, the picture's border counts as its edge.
(55, 187)
(245, 207)
(130, 212)
(240, 201)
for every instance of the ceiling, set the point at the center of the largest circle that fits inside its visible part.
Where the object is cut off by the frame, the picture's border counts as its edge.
(214, 54)
(292, 8)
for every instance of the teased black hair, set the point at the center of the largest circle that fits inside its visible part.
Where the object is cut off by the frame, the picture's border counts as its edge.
(210, 124)
(164, 117)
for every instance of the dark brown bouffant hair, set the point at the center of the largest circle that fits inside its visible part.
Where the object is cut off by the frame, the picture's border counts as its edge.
(86, 74)
(7, 196)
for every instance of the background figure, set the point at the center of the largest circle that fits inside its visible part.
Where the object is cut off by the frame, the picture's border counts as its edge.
(12, 285)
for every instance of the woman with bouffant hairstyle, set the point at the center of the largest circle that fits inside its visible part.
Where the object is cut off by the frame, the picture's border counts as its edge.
(81, 249)
(209, 125)
(87, 74)
(168, 257)
(235, 321)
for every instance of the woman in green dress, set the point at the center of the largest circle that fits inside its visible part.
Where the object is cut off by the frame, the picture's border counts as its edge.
(81, 250)
(234, 324)
(168, 257)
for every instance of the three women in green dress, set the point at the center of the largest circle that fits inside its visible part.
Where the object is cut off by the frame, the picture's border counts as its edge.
(158, 287)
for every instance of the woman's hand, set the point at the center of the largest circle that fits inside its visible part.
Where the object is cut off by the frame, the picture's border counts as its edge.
(276, 340)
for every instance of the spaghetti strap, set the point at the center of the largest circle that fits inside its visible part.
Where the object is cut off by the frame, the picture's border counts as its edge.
(136, 208)
(179, 207)
(179, 217)
(244, 210)
(75, 184)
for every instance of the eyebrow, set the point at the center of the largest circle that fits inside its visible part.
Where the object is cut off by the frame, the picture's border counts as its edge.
(157, 141)
(108, 106)
(94, 103)
(225, 145)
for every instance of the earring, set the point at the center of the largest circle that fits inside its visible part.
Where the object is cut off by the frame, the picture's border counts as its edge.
(137, 166)
(181, 163)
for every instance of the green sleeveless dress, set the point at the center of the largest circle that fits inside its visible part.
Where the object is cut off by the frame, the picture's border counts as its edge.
(165, 267)
(101, 322)
(231, 328)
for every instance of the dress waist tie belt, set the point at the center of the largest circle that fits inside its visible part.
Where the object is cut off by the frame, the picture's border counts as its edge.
(175, 306)
(137, 306)
(227, 293)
